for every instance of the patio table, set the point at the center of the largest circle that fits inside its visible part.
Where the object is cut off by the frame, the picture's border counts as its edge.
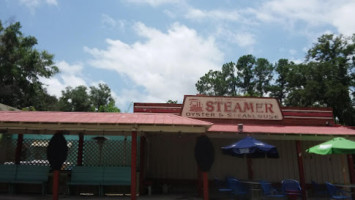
(255, 189)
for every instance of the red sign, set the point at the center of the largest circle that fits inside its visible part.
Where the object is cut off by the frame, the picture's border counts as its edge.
(231, 108)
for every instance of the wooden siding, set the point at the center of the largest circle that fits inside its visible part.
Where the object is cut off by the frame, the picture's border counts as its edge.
(172, 158)
(332, 168)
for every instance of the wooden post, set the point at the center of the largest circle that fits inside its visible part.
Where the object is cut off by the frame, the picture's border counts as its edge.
(205, 186)
(55, 184)
(199, 182)
(18, 149)
(301, 169)
(141, 164)
(351, 172)
(351, 168)
(133, 165)
(80, 149)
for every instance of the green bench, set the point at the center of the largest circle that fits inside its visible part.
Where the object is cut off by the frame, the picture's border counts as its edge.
(7, 174)
(24, 174)
(100, 176)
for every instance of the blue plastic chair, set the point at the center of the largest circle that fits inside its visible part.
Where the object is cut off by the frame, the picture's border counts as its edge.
(336, 193)
(269, 191)
(291, 188)
(222, 185)
(239, 189)
(318, 190)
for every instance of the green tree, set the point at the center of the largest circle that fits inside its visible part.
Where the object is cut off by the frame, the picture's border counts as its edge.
(279, 89)
(95, 99)
(100, 96)
(172, 101)
(21, 66)
(110, 107)
(75, 99)
(250, 76)
(336, 54)
(325, 79)
(245, 67)
(212, 83)
(231, 79)
(102, 100)
(262, 74)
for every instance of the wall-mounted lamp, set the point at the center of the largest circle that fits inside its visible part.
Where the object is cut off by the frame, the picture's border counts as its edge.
(240, 128)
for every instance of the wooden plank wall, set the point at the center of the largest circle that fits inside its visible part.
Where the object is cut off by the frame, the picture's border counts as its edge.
(171, 157)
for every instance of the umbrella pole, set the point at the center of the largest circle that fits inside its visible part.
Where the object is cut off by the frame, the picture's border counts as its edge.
(250, 169)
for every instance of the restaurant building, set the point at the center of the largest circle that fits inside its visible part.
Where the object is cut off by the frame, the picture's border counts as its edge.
(291, 129)
(158, 141)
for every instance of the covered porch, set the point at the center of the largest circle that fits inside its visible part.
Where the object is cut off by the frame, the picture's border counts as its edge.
(131, 128)
(159, 149)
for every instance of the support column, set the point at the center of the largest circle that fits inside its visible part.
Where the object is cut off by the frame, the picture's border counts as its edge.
(351, 168)
(18, 149)
(133, 165)
(142, 165)
(80, 150)
(351, 173)
(55, 185)
(301, 169)
(205, 185)
(199, 182)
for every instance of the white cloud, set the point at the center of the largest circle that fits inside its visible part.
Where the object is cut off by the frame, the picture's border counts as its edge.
(108, 21)
(154, 2)
(292, 52)
(112, 24)
(166, 65)
(30, 3)
(196, 14)
(52, 2)
(70, 75)
(241, 38)
(33, 4)
(314, 13)
(244, 39)
(343, 18)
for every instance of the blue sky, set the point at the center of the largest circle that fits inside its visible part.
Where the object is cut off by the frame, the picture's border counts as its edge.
(156, 50)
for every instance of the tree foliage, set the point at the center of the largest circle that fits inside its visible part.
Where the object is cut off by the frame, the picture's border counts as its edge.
(281, 70)
(75, 99)
(263, 75)
(326, 78)
(250, 76)
(172, 101)
(212, 83)
(95, 99)
(332, 60)
(21, 67)
(245, 67)
(100, 97)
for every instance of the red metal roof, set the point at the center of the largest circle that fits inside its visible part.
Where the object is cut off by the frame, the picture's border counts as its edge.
(100, 118)
(318, 130)
(23, 118)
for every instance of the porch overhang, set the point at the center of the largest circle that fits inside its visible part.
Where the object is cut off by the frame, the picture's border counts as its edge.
(97, 123)
(281, 132)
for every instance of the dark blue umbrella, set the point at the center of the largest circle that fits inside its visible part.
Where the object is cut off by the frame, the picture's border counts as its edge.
(252, 148)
